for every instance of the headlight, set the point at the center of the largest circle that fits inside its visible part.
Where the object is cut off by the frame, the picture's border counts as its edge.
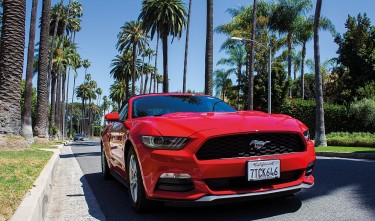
(165, 143)
(306, 134)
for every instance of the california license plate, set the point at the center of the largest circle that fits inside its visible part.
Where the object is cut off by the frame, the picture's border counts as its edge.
(263, 170)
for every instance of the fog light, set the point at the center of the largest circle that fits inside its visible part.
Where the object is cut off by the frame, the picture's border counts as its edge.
(175, 175)
(176, 182)
(310, 168)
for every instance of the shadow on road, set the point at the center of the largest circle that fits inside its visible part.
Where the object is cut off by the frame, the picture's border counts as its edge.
(113, 199)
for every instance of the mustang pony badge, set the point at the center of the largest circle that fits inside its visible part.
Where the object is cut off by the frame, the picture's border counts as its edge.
(258, 144)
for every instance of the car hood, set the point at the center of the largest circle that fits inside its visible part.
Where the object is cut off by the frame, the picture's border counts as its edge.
(187, 124)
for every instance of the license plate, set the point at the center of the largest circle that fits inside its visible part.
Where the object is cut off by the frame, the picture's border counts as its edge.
(263, 170)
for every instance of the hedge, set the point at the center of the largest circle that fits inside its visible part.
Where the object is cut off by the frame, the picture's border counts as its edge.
(357, 117)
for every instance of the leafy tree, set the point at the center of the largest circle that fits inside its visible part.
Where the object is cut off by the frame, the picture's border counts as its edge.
(166, 18)
(357, 52)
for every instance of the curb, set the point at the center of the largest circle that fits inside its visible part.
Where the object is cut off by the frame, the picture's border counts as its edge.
(365, 156)
(34, 204)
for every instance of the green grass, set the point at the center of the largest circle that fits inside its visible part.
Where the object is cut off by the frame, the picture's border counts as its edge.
(345, 149)
(51, 145)
(18, 171)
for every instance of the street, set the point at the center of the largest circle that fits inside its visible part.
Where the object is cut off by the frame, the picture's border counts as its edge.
(344, 190)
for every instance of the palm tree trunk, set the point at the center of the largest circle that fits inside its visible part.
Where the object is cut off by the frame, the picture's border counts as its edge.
(50, 64)
(290, 61)
(186, 48)
(149, 65)
(320, 136)
(11, 65)
(165, 63)
(141, 90)
(62, 113)
(208, 82)
(58, 104)
(53, 102)
(71, 108)
(239, 67)
(27, 130)
(156, 64)
(43, 79)
(303, 71)
(251, 80)
(134, 67)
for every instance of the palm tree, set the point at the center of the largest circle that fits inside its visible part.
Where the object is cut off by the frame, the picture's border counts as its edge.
(105, 106)
(86, 64)
(11, 65)
(237, 57)
(149, 52)
(164, 17)
(251, 79)
(122, 69)
(130, 37)
(285, 18)
(40, 128)
(99, 92)
(77, 65)
(208, 89)
(222, 82)
(305, 34)
(186, 48)
(320, 136)
(118, 92)
(27, 130)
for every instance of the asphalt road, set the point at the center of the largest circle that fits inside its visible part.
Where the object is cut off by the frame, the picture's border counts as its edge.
(344, 190)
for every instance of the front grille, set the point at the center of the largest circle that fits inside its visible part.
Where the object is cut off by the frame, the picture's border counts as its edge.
(245, 145)
(241, 183)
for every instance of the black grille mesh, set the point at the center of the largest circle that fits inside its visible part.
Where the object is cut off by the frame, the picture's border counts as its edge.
(235, 146)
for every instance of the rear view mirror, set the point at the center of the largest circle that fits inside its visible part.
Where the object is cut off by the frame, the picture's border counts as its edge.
(112, 116)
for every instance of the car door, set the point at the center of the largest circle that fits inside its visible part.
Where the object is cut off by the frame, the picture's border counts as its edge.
(118, 136)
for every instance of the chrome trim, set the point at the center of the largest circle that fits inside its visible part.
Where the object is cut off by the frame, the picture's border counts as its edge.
(213, 198)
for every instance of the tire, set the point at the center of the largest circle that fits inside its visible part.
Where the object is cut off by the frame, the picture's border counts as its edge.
(105, 168)
(136, 190)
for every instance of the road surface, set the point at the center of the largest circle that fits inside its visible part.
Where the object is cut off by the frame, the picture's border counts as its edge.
(344, 190)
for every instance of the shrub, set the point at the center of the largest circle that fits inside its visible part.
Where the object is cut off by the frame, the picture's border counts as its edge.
(362, 115)
(351, 139)
(335, 116)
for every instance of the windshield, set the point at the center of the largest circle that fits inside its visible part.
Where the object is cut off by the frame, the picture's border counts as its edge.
(159, 105)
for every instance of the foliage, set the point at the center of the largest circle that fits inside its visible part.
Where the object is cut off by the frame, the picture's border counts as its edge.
(357, 117)
(279, 88)
(351, 139)
(362, 115)
(348, 149)
(357, 52)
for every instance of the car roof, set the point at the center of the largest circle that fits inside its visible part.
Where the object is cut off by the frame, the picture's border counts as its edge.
(167, 94)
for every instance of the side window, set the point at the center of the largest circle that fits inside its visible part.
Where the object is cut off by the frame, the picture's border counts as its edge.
(124, 113)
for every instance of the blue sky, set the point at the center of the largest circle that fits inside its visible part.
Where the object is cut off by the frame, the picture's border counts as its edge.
(102, 21)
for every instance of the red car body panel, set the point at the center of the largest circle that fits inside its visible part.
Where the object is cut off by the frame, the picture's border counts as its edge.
(199, 127)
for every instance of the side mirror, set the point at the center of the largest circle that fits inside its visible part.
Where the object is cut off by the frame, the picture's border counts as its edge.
(112, 116)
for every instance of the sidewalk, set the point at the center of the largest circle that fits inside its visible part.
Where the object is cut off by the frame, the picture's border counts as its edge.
(71, 197)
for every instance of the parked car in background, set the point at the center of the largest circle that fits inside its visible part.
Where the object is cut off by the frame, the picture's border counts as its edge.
(79, 137)
(185, 148)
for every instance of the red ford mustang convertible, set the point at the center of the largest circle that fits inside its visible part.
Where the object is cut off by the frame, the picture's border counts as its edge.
(191, 149)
